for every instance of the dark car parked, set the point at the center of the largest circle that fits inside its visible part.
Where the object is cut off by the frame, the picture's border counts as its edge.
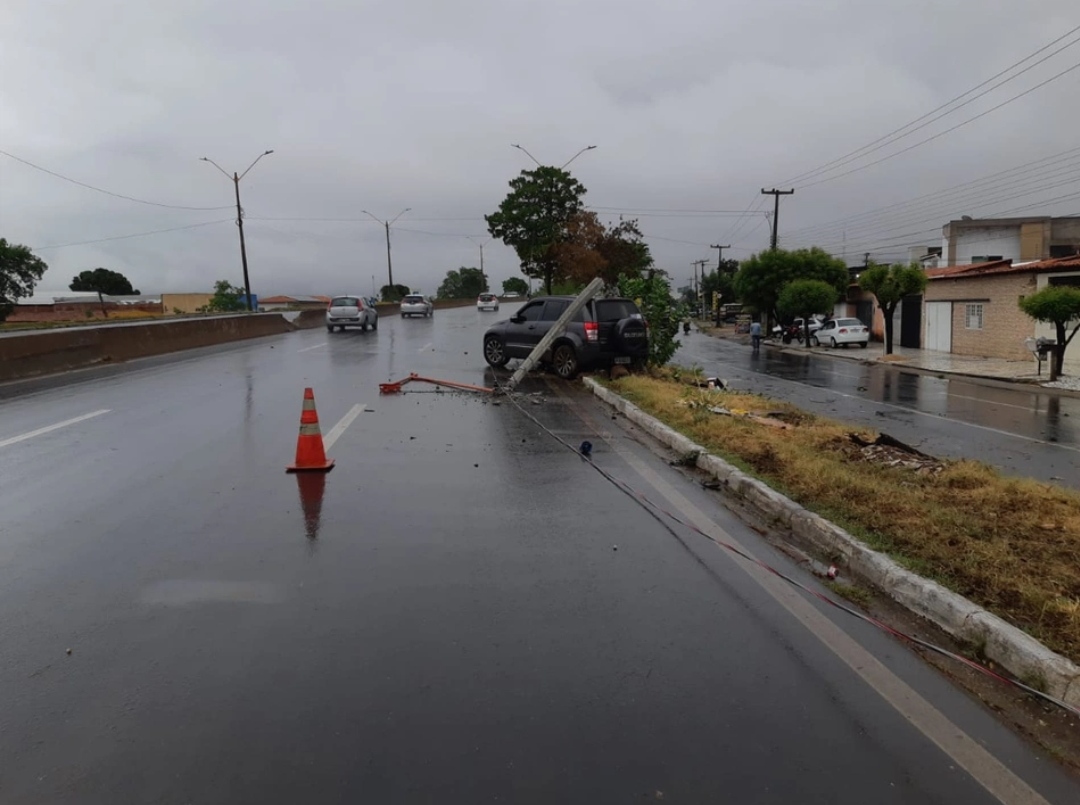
(604, 332)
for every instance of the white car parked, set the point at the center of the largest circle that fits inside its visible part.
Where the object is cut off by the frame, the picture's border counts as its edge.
(487, 301)
(835, 332)
(416, 305)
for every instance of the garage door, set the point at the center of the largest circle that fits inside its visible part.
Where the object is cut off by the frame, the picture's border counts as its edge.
(939, 326)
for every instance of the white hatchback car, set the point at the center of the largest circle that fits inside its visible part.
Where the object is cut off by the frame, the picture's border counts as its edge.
(487, 301)
(835, 332)
(416, 305)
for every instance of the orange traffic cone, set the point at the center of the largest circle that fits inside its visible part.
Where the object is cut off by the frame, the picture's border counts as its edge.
(310, 455)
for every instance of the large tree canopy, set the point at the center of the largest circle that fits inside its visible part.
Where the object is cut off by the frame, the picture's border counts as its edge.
(463, 283)
(890, 284)
(1059, 306)
(20, 271)
(760, 279)
(103, 281)
(533, 219)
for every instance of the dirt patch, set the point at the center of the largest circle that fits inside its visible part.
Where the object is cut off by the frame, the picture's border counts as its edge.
(1011, 545)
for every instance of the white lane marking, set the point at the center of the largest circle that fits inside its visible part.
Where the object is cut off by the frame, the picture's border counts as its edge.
(984, 767)
(22, 437)
(426, 346)
(308, 349)
(335, 432)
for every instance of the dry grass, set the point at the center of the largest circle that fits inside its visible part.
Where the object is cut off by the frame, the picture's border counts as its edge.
(1011, 545)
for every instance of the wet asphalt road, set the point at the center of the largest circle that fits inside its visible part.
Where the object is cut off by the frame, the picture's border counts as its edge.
(445, 619)
(1021, 430)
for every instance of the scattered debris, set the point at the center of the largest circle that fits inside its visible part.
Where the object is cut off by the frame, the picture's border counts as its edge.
(890, 452)
(687, 460)
(69, 651)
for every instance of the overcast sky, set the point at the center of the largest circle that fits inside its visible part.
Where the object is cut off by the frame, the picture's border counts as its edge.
(692, 104)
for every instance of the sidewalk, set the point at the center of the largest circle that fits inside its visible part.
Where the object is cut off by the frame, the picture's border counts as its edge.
(925, 360)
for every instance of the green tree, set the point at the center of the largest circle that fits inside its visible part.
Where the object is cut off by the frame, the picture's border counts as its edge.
(653, 296)
(805, 298)
(1057, 305)
(889, 285)
(515, 285)
(393, 293)
(103, 282)
(226, 298)
(533, 219)
(760, 279)
(462, 283)
(20, 271)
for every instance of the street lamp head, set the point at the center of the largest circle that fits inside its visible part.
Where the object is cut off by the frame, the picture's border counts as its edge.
(272, 151)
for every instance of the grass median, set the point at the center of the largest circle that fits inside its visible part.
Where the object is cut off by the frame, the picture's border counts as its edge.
(1011, 545)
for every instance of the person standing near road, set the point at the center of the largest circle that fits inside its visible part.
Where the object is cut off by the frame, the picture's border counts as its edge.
(755, 335)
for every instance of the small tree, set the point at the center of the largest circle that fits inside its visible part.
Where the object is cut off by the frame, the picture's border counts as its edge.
(515, 285)
(805, 298)
(1060, 306)
(653, 296)
(889, 285)
(20, 271)
(393, 293)
(226, 298)
(103, 282)
(462, 283)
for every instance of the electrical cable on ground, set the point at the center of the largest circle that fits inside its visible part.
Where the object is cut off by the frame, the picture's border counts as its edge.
(659, 513)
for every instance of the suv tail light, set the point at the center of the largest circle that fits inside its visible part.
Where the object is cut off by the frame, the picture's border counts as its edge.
(592, 331)
(843, 329)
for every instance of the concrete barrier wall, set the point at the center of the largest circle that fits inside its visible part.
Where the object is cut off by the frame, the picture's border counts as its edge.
(45, 352)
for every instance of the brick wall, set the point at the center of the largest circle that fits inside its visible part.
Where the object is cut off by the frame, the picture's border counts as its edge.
(1005, 326)
(75, 311)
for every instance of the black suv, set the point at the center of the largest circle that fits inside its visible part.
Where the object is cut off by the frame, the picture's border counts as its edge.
(604, 332)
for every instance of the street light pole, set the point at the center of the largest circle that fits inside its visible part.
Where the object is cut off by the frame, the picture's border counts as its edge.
(386, 225)
(540, 165)
(235, 179)
(481, 245)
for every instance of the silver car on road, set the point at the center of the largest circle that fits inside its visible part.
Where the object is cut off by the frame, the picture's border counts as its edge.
(416, 305)
(351, 311)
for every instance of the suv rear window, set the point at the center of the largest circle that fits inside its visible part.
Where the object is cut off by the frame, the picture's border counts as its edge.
(615, 309)
(345, 301)
(413, 300)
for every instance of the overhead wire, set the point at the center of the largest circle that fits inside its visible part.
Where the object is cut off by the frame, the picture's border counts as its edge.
(110, 192)
(940, 134)
(896, 135)
(134, 235)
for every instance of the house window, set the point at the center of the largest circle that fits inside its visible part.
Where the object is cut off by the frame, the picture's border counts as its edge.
(974, 317)
(986, 258)
(1062, 250)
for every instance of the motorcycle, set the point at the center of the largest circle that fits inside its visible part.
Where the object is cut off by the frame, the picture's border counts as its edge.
(791, 332)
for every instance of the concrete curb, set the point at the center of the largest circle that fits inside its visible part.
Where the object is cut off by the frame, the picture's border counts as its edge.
(1016, 651)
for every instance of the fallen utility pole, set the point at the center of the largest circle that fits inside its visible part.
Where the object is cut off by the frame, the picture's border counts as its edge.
(582, 299)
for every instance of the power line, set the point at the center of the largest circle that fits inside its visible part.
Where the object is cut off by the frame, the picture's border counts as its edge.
(891, 136)
(135, 235)
(109, 192)
(892, 209)
(959, 125)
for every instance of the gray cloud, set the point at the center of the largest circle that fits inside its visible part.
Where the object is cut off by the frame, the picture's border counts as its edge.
(695, 105)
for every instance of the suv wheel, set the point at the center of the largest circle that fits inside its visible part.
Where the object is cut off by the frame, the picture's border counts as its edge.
(495, 352)
(565, 361)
